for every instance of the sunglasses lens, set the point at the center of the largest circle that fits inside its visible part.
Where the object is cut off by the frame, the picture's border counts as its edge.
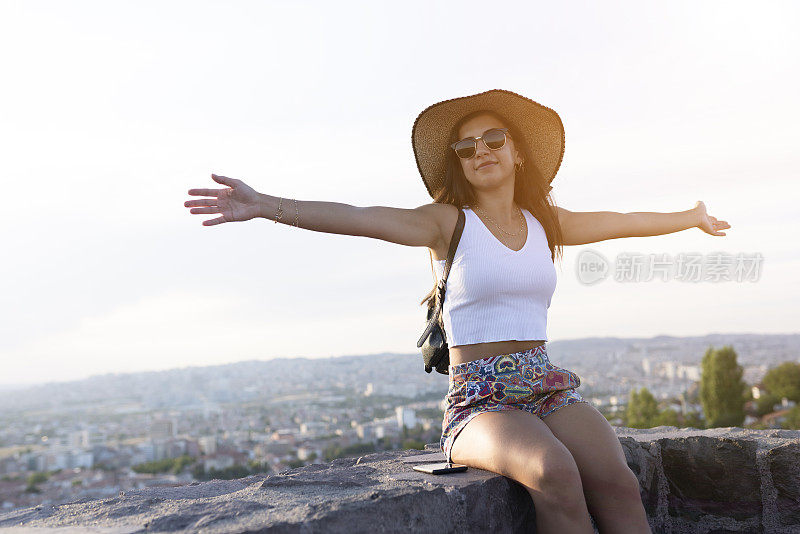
(494, 139)
(465, 148)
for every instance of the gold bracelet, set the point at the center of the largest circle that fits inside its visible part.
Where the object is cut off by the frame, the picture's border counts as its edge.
(296, 214)
(279, 213)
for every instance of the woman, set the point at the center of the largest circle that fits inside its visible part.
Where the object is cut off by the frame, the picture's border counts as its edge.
(494, 155)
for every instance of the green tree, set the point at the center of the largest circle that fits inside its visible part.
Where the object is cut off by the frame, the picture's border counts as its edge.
(199, 471)
(167, 465)
(722, 390)
(413, 444)
(765, 403)
(337, 451)
(259, 467)
(784, 381)
(668, 417)
(228, 473)
(180, 463)
(642, 409)
(37, 478)
(33, 479)
(792, 421)
(692, 420)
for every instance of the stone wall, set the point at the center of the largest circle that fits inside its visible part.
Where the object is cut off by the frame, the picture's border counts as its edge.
(717, 480)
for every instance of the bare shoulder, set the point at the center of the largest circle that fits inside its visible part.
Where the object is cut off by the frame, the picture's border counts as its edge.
(564, 216)
(562, 213)
(446, 216)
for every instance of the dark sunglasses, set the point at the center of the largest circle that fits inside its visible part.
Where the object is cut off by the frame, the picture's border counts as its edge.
(493, 138)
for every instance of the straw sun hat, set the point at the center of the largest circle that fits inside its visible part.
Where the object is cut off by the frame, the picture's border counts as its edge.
(540, 126)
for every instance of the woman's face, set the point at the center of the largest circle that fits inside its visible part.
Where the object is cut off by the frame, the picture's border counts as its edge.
(488, 168)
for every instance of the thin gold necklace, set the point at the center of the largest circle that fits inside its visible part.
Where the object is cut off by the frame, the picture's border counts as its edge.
(522, 220)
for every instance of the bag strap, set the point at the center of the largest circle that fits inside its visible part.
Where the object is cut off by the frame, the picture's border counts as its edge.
(442, 286)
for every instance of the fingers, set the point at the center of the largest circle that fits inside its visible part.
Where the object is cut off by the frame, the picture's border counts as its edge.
(213, 209)
(201, 202)
(214, 192)
(721, 225)
(212, 222)
(224, 180)
(717, 223)
(209, 205)
(206, 192)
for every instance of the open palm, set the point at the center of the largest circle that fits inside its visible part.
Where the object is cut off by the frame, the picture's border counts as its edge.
(709, 224)
(239, 203)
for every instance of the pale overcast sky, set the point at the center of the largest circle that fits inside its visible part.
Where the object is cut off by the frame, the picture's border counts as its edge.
(110, 111)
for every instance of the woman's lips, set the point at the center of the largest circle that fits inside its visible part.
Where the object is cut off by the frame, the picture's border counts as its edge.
(486, 165)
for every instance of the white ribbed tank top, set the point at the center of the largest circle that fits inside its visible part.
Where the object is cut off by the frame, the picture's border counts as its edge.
(495, 293)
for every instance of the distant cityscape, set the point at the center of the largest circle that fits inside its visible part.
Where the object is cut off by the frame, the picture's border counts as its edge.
(103, 435)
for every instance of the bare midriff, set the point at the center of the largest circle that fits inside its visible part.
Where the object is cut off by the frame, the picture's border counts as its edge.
(476, 351)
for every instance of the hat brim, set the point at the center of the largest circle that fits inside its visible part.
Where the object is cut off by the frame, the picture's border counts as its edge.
(540, 126)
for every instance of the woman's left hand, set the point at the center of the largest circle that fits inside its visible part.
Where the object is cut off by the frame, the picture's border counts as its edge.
(707, 223)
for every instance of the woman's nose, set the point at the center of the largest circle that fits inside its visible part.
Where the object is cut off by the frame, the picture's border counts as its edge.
(481, 148)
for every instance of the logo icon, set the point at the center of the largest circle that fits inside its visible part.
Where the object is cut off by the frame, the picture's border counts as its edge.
(591, 267)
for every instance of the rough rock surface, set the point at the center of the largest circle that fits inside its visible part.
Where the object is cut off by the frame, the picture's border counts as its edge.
(717, 480)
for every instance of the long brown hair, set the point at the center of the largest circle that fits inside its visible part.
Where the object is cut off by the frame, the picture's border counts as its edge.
(531, 190)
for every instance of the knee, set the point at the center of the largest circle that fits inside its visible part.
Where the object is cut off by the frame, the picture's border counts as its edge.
(627, 485)
(560, 482)
(616, 483)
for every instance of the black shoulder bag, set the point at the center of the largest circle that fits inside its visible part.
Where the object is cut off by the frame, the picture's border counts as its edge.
(433, 342)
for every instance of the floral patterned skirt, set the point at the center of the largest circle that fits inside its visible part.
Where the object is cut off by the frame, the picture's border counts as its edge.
(524, 380)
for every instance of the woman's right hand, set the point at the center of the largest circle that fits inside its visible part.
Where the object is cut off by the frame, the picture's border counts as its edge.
(238, 203)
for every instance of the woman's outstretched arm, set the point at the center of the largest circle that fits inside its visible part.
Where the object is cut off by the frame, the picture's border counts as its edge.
(580, 228)
(239, 202)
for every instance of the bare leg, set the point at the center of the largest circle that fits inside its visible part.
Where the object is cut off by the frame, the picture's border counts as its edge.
(611, 488)
(517, 444)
